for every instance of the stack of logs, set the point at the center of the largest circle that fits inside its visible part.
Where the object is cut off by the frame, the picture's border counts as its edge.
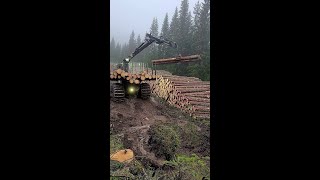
(120, 74)
(189, 94)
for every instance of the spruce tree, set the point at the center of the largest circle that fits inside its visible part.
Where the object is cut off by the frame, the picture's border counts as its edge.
(174, 27)
(196, 36)
(118, 53)
(184, 35)
(205, 38)
(140, 55)
(112, 50)
(172, 35)
(124, 52)
(165, 33)
(152, 50)
(131, 43)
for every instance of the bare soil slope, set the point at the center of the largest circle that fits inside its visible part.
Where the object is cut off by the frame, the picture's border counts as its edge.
(132, 119)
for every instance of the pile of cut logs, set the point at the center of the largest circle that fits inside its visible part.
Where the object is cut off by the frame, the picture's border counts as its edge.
(189, 94)
(132, 78)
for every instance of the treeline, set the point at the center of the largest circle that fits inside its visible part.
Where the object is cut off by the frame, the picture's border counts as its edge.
(191, 33)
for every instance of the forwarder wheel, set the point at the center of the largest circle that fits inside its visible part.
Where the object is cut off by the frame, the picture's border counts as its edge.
(145, 91)
(117, 92)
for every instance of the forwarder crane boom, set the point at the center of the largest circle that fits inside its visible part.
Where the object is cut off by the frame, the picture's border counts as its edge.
(124, 88)
(149, 39)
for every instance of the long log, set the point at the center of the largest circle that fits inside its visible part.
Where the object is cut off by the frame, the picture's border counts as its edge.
(200, 108)
(181, 78)
(198, 96)
(192, 86)
(199, 93)
(200, 103)
(187, 83)
(191, 90)
(201, 113)
(206, 100)
(201, 116)
(177, 60)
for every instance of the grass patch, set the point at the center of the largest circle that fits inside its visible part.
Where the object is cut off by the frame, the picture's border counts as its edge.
(136, 168)
(164, 141)
(115, 143)
(189, 167)
(190, 131)
(123, 172)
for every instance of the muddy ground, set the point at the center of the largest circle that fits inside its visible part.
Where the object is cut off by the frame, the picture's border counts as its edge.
(131, 121)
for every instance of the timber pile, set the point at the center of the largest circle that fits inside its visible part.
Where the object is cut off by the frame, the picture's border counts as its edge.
(189, 94)
(136, 78)
(177, 60)
(162, 72)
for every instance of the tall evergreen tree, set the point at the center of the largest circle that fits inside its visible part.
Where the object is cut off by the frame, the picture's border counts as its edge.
(124, 51)
(201, 39)
(196, 69)
(205, 25)
(138, 40)
(205, 38)
(163, 50)
(183, 37)
(154, 27)
(196, 28)
(152, 50)
(174, 26)
(139, 57)
(165, 26)
(118, 52)
(112, 50)
(132, 43)
(173, 32)
(172, 35)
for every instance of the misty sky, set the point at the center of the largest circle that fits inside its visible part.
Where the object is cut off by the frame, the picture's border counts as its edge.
(137, 15)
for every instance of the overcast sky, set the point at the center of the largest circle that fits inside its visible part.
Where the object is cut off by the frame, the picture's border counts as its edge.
(137, 15)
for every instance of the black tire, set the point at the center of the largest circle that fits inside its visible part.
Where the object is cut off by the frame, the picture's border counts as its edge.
(145, 91)
(117, 92)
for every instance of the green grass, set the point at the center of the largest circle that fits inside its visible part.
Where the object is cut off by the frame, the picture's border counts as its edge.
(190, 131)
(115, 143)
(164, 140)
(190, 167)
